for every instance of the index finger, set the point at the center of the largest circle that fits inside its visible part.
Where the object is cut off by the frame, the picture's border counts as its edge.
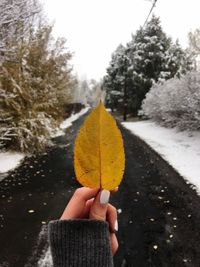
(76, 205)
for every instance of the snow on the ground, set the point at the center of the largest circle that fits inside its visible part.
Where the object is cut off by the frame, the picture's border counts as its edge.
(180, 149)
(10, 160)
(68, 122)
(46, 259)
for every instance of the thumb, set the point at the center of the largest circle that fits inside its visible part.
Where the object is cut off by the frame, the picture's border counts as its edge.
(99, 207)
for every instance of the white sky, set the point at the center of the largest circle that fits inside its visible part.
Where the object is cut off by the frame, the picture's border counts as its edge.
(94, 28)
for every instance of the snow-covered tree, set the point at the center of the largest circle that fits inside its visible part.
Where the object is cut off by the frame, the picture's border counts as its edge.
(82, 92)
(194, 47)
(178, 61)
(175, 103)
(155, 58)
(148, 49)
(116, 82)
(149, 57)
(16, 20)
(95, 93)
(89, 92)
(35, 85)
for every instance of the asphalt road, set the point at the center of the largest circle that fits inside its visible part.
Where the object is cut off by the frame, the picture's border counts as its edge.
(158, 213)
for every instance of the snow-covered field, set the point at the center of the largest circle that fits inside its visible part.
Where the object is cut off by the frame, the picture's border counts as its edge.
(180, 149)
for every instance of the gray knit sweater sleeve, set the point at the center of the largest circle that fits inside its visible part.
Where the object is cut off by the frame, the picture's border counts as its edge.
(78, 243)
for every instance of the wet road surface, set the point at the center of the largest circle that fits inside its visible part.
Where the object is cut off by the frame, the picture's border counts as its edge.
(158, 212)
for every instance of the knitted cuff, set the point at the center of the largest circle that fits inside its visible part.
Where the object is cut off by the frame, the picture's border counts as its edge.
(78, 243)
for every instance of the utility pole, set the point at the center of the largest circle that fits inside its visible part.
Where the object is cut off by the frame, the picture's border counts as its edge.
(125, 100)
(125, 89)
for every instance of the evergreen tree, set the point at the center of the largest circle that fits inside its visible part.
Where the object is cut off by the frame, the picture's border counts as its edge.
(154, 58)
(35, 84)
(148, 49)
(148, 58)
(116, 82)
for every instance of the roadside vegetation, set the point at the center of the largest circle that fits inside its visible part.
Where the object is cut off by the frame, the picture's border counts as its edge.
(36, 81)
(156, 78)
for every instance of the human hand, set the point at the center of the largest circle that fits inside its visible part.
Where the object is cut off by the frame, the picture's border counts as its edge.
(93, 204)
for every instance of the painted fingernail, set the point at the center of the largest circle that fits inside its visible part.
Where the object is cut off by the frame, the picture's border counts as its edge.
(116, 225)
(104, 196)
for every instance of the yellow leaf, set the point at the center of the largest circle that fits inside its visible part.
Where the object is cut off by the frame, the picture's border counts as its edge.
(99, 152)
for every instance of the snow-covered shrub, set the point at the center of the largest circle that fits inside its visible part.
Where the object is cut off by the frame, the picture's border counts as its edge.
(175, 103)
(30, 132)
(33, 133)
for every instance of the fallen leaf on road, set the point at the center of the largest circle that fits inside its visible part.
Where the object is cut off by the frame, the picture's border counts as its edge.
(99, 152)
(31, 211)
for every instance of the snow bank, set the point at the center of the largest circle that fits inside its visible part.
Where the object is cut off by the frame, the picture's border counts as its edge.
(68, 122)
(46, 259)
(180, 149)
(9, 160)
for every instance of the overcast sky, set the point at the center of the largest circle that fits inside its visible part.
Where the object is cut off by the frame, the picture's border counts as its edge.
(94, 28)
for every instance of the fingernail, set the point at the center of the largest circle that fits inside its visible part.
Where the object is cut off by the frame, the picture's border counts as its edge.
(104, 196)
(116, 225)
